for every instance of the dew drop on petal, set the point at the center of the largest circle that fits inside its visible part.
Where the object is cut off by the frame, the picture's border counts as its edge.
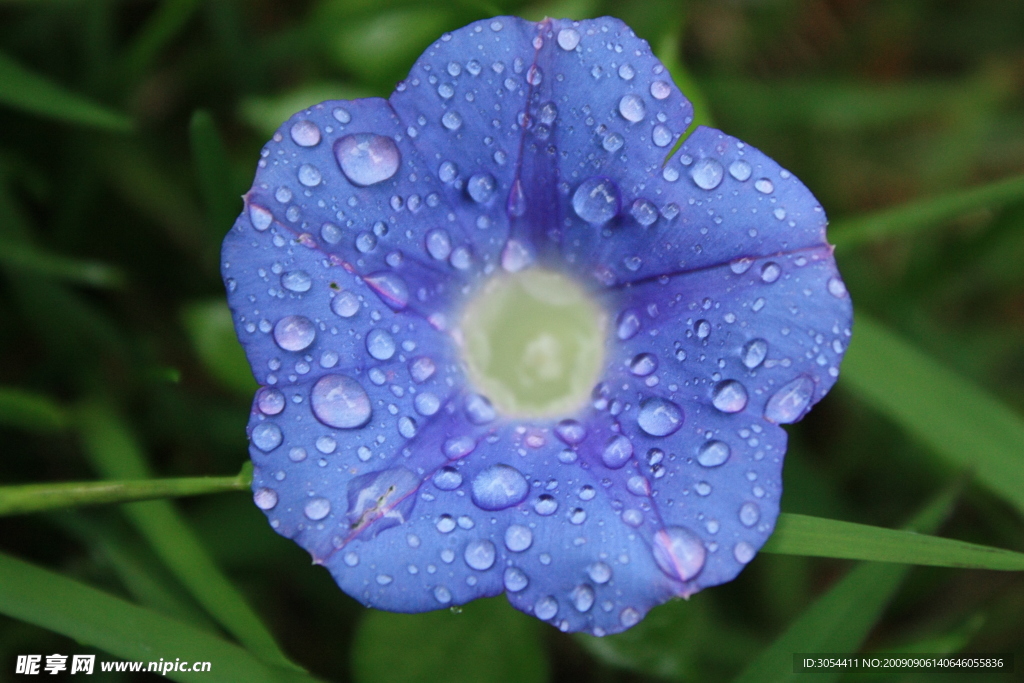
(518, 538)
(789, 403)
(345, 304)
(613, 142)
(459, 447)
(545, 608)
(659, 417)
(836, 288)
(269, 401)
(514, 580)
(707, 173)
(260, 217)
(679, 552)
(479, 410)
(740, 170)
(713, 453)
(660, 90)
(439, 244)
(629, 617)
(743, 552)
(317, 508)
(367, 159)
(583, 598)
(661, 136)
(380, 344)
(571, 432)
(729, 396)
(479, 554)
(764, 186)
(568, 38)
(305, 134)
(644, 212)
(545, 505)
(516, 256)
(391, 289)
(617, 452)
(296, 281)
(481, 187)
(754, 353)
(340, 401)
(600, 573)
(266, 437)
(632, 108)
(643, 364)
(265, 498)
(628, 325)
(294, 332)
(421, 369)
(498, 487)
(442, 595)
(596, 200)
(426, 403)
(770, 272)
(309, 175)
(447, 479)
(451, 120)
(749, 514)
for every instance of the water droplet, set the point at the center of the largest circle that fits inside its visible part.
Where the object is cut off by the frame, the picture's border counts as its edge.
(514, 579)
(638, 485)
(613, 142)
(305, 134)
(754, 352)
(309, 175)
(407, 427)
(294, 333)
(260, 217)
(577, 515)
(516, 205)
(545, 505)
(451, 120)
(391, 289)
(545, 608)
(426, 404)
(447, 172)
(367, 159)
(764, 186)
(643, 364)
(617, 451)
(516, 256)
(749, 514)
(660, 90)
(743, 552)
(730, 396)
(269, 401)
(459, 447)
(583, 598)
(628, 325)
(265, 498)
(342, 115)
(596, 200)
(439, 244)
(587, 492)
(568, 38)
(571, 432)
(770, 272)
(661, 136)
(629, 617)
(445, 524)
(644, 212)
(296, 281)
(740, 170)
(659, 417)
(340, 401)
(481, 187)
(479, 410)
(518, 538)
(713, 453)
(679, 552)
(836, 288)
(600, 573)
(498, 487)
(317, 509)
(707, 173)
(380, 344)
(789, 403)
(345, 304)
(632, 108)
(479, 554)
(421, 369)
(447, 479)
(442, 595)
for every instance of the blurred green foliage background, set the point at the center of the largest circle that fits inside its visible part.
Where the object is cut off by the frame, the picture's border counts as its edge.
(128, 131)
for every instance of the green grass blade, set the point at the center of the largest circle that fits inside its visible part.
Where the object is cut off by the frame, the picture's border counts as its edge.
(161, 28)
(486, 641)
(36, 261)
(841, 619)
(133, 633)
(19, 500)
(911, 217)
(26, 410)
(114, 453)
(25, 90)
(959, 421)
(210, 161)
(212, 331)
(817, 537)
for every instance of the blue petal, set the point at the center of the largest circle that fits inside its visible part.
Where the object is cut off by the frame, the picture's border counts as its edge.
(370, 224)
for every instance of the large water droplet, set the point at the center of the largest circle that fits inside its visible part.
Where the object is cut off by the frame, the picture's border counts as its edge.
(632, 108)
(596, 200)
(518, 538)
(265, 498)
(451, 120)
(568, 38)
(317, 508)
(439, 244)
(764, 186)
(660, 90)
(740, 170)
(583, 598)
(340, 401)
(296, 281)
(391, 289)
(294, 333)
(545, 505)
(707, 173)
(617, 452)
(309, 175)
(481, 187)
(479, 554)
(426, 404)
(380, 344)
(545, 608)
(713, 453)
(260, 217)
(345, 304)
(266, 436)
(643, 364)
(730, 396)
(754, 352)
(679, 552)
(659, 417)
(600, 573)
(789, 403)
(367, 159)
(498, 487)
(269, 401)
(514, 579)
(305, 133)
(661, 136)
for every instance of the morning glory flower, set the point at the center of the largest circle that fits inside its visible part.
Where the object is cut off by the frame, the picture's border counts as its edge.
(523, 178)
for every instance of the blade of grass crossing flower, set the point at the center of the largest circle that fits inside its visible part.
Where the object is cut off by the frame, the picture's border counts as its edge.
(33, 412)
(840, 620)
(915, 216)
(209, 159)
(813, 536)
(486, 641)
(22, 89)
(114, 453)
(18, 500)
(959, 421)
(92, 617)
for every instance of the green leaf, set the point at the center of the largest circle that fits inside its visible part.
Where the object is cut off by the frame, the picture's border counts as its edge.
(957, 419)
(266, 114)
(113, 452)
(161, 28)
(841, 619)
(26, 410)
(25, 90)
(487, 641)
(813, 536)
(133, 633)
(212, 331)
(19, 500)
(36, 261)
(210, 160)
(914, 216)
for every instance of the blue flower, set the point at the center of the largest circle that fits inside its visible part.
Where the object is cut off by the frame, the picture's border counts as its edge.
(373, 224)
